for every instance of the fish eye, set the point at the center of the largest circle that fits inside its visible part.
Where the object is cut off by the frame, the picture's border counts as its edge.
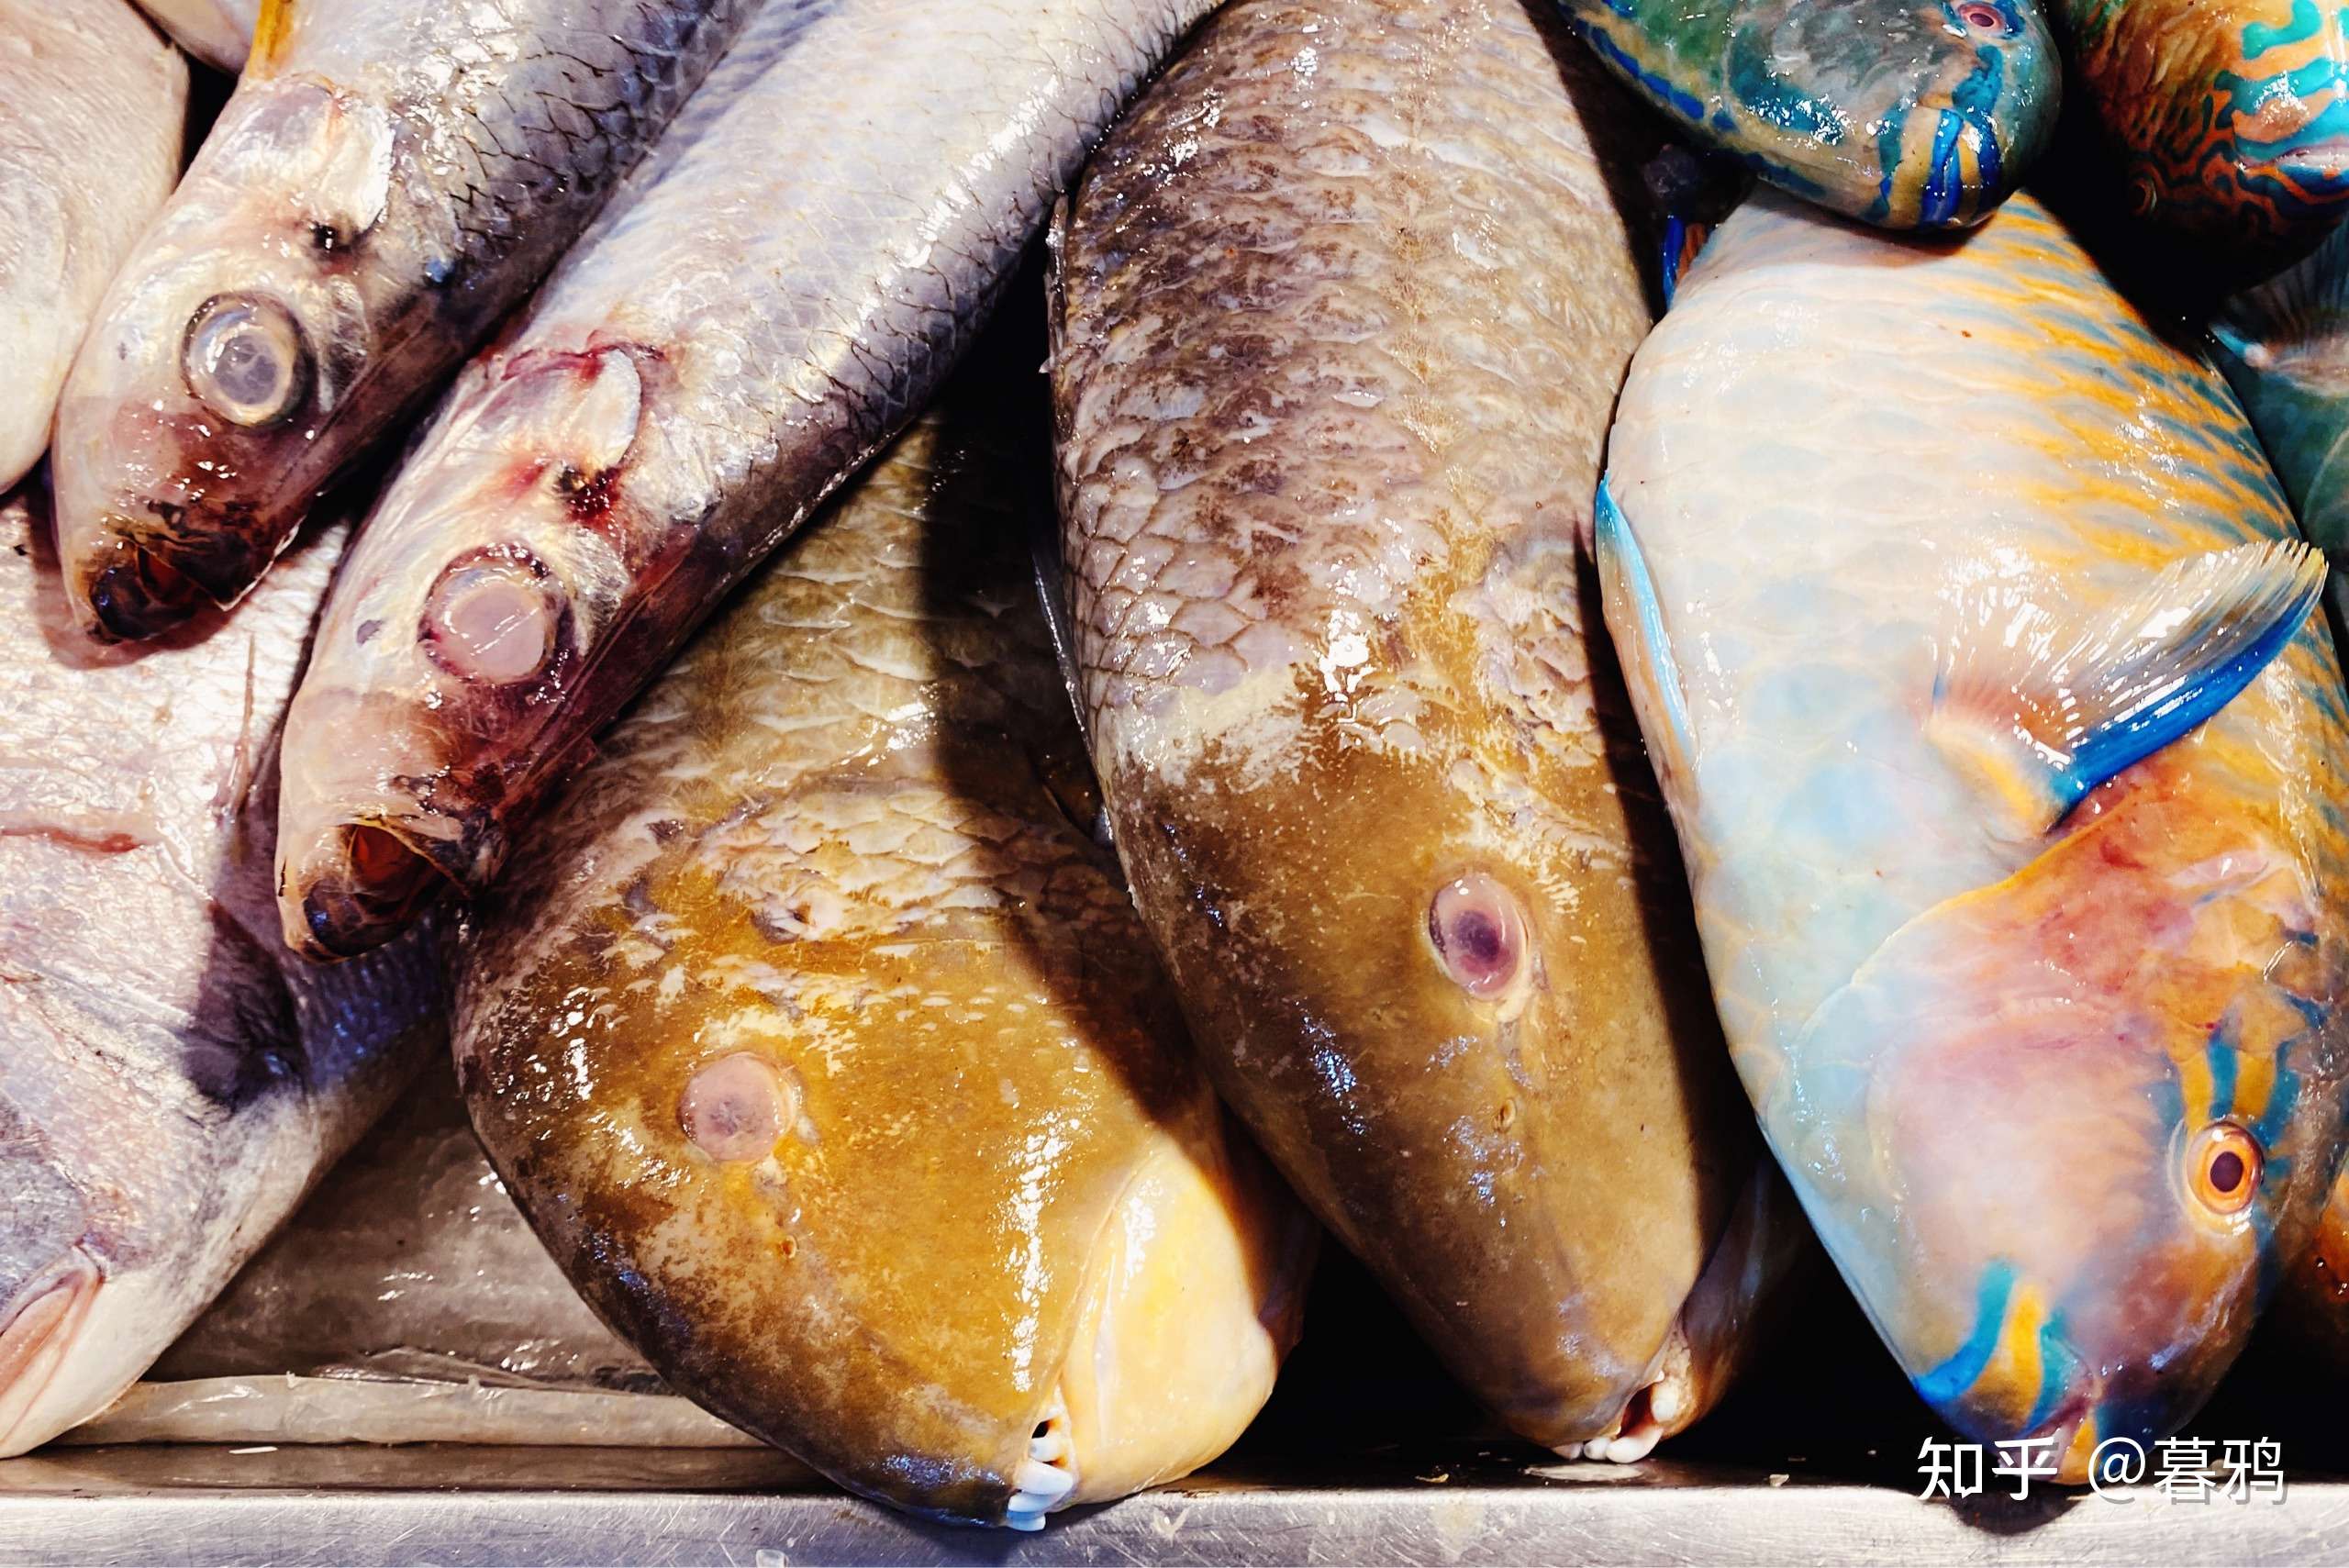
(1983, 16)
(1478, 932)
(245, 359)
(2222, 1168)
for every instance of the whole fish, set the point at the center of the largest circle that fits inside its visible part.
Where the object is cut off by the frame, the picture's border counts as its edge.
(690, 383)
(389, 179)
(217, 32)
(1912, 113)
(2231, 117)
(1970, 632)
(2284, 345)
(91, 108)
(172, 1080)
(820, 1044)
(1344, 305)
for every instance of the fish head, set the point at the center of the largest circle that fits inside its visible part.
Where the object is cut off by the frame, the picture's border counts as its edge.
(1955, 98)
(436, 676)
(211, 402)
(2234, 119)
(2096, 1136)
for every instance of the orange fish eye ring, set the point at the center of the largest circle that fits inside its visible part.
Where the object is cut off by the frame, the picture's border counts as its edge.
(2222, 1168)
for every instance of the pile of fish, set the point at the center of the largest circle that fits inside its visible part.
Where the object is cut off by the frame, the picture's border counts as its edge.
(937, 883)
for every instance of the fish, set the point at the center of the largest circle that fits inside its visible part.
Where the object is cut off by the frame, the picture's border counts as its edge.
(407, 1300)
(386, 183)
(93, 105)
(1969, 629)
(685, 390)
(1909, 114)
(217, 32)
(817, 1039)
(2230, 118)
(1340, 309)
(2312, 1305)
(172, 1079)
(2284, 345)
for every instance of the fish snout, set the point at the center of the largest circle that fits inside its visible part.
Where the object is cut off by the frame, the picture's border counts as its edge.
(39, 1324)
(361, 884)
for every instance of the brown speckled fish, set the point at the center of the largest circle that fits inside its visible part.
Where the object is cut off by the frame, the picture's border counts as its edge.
(819, 1042)
(1346, 301)
(389, 179)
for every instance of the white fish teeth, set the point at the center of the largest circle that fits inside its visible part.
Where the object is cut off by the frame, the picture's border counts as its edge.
(1042, 1486)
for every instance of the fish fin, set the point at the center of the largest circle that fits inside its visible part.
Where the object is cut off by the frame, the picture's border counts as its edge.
(1684, 238)
(1635, 618)
(2292, 325)
(2035, 721)
(273, 32)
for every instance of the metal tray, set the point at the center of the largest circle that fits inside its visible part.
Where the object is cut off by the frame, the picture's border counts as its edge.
(204, 1506)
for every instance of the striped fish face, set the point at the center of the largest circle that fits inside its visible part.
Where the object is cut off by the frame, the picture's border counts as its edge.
(2241, 128)
(2064, 1202)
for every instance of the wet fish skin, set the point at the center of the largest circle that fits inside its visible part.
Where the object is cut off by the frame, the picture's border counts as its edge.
(2049, 1041)
(217, 32)
(1342, 308)
(2284, 345)
(2231, 119)
(1910, 114)
(817, 1038)
(171, 1079)
(693, 380)
(388, 180)
(92, 110)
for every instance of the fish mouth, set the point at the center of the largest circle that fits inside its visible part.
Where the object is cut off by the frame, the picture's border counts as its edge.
(2322, 165)
(1048, 1474)
(1657, 1408)
(133, 594)
(41, 1326)
(373, 883)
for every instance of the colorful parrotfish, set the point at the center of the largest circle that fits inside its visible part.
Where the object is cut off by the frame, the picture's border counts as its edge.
(1912, 113)
(1968, 627)
(2233, 115)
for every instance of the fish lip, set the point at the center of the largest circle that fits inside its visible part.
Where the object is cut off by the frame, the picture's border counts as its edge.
(135, 596)
(2323, 164)
(372, 889)
(41, 1326)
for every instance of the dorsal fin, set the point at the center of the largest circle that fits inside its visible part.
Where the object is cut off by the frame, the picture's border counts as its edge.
(2036, 714)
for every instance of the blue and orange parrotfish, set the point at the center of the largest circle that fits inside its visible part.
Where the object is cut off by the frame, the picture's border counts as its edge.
(1910, 114)
(1969, 629)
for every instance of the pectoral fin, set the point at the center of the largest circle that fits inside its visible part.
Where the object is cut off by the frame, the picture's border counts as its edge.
(1635, 618)
(2036, 714)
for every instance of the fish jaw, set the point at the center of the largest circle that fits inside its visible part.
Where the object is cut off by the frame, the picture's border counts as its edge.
(217, 32)
(231, 373)
(1195, 1294)
(38, 1336)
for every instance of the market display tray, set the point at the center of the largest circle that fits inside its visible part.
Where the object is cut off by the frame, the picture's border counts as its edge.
(522, 1506)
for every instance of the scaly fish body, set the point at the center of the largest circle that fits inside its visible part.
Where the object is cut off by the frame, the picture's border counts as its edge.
(389, 179)
(2231, 119)
(1939, 575)
(1345, 302)
(1912, 114)
(695, 379)
(819, 1040)
(92, 106)
(171, 1079)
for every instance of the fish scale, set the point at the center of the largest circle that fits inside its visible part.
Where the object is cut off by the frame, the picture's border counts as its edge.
(690, 383)
(1895, 942)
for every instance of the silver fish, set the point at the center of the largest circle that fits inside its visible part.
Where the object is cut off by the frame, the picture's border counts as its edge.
(388, 180)
(171, 1079)
(92, 106)
(700, 372)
